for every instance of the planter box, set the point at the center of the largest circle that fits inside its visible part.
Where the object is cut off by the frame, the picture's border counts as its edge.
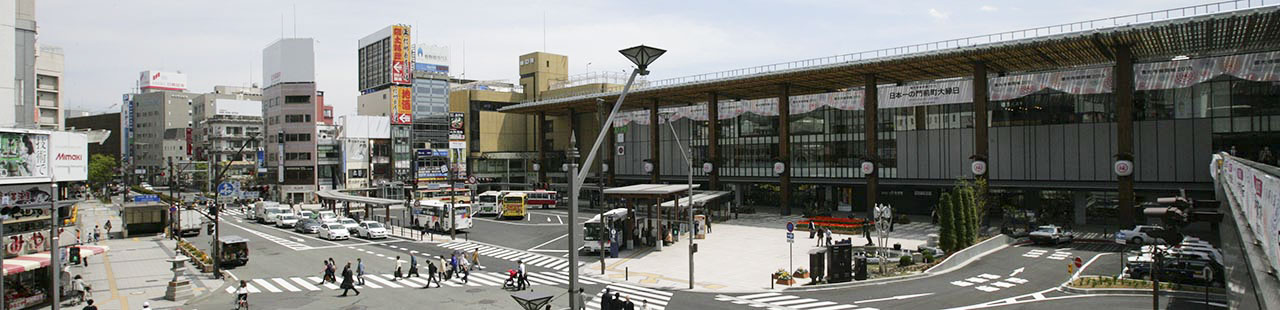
(786, 282)
(800, 275)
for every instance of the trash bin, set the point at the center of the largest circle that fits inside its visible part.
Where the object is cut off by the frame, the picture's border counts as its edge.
(817, 264)
(860, 268)
(839, 263)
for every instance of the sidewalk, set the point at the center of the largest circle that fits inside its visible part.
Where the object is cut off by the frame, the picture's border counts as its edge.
(134, 270)
(737, 256)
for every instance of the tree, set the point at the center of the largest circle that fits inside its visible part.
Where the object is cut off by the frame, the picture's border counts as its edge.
(975, 220)
(946, 232)
(102, 169)
(964, 222)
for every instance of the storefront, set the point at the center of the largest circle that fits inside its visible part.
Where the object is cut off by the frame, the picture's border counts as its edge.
(26, 277)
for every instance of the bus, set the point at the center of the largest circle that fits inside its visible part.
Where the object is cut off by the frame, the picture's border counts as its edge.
(434, 214)
(514, 205)
(487, 203)
(541, 199)
(610, 227)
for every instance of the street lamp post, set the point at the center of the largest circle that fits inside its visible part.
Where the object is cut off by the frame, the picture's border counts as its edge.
(217, 211)
(666, 116)
(641, 56)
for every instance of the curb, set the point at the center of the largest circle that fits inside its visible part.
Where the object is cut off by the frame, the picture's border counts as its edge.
(1130, 291)
(932, 271)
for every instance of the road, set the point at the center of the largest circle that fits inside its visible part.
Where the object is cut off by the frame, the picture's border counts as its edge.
(285, 267)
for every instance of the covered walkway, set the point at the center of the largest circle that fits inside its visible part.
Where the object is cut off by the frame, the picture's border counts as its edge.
(329, 200)
(655, 226)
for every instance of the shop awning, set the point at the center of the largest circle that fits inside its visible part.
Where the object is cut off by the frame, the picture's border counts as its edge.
(655, 190)
(35, 261)
(26, 263)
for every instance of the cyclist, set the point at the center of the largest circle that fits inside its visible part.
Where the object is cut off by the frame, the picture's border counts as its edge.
(242, 295)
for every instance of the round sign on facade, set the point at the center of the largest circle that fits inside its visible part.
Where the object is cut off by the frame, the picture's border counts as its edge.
(564, 167)
(868, 167)
(604, 167)
(978, 167)
(706, 167)
(1124, 168)
(779, 167)
(648, 167)
(536, 167)
(622, 150)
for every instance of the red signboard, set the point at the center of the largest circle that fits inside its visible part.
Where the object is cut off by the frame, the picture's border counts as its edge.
(188, 141)
(400, 52)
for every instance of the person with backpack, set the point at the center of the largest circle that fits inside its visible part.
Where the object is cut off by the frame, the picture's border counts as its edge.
(432, 275)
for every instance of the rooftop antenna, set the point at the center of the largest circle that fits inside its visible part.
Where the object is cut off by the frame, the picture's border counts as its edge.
(282, 25)
(544, 31)
(295, 20)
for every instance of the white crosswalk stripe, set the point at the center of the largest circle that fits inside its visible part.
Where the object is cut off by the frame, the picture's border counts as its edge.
(656, 299)
(475, 279)
(988, 282)
(534, 259)
(780, 301)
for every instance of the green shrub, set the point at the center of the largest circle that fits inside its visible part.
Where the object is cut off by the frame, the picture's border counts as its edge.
(946, 231)
(904, 261)
(928, 256)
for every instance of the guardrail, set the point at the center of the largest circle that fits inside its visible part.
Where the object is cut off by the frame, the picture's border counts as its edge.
(1000, 37)
(1255, 191)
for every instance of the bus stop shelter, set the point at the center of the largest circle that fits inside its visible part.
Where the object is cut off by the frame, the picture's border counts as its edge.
(329, 199)
(655, 225)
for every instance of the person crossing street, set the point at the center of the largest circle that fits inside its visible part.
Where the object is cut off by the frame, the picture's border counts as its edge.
(359, 272)
(347, 281)
(413, 266)
(432, 275)
(398, 275)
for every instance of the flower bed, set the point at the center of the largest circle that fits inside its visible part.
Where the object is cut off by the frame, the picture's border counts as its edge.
(837, 224)
(198, 257)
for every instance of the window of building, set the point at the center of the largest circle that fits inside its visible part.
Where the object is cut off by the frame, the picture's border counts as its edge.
(297, 156)
(294, 137)
(297, 118)
(297, 99)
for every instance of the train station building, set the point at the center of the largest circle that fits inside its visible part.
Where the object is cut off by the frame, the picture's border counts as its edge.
(1079, 122)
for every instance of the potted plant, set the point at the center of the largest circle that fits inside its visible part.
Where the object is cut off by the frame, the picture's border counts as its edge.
(800, 273)
(783, 277)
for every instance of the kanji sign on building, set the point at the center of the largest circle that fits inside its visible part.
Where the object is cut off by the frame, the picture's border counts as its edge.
(401, 51)
(401, 105)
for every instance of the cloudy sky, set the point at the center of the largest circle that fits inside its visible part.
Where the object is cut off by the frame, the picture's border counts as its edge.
(220, 42)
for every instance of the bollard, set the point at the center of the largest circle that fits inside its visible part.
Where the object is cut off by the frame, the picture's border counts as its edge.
(771, 281)
(626, 273)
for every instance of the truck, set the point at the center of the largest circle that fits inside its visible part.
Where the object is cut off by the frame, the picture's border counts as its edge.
(1051, 234)
(265, 212)
(608, 226)
(191, 221)
(1141, 234)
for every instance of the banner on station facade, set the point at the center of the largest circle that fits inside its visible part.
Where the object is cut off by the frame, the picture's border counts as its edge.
(1147, 76)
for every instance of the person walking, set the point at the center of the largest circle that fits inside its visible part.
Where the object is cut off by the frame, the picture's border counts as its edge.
(359, 271)
(524, 277)
(77, 289)
(398, 274)
(108, 227)
(453, 265)
(441, 266)
(828, 231)
(606, 300)
(813, 229)
(475, 258)
(432, 275)
(582, 299)
(628, 305)
(328, 273)
(464, 267)
(89, 305)
(1265, 156)
(413, 266)
(347, 282)
(97, 232)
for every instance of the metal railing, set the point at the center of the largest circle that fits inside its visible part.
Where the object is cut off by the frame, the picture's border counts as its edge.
(1030, 33)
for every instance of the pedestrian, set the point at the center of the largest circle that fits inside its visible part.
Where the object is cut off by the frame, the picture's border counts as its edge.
(146, 306)
(606, 300)
(108, 227)
(828, 231)
(453, 264)
(817, 231)
(328, 272)
(645, 304)
(96, 232)
(77, 290)
(464, 267)
(618, 302)
(441, 267)
(475, 258)
(397, 275)
(90, 305)
(524, 277)
(709, 220)
(582, 299)
(866, 231)
(359, 271)
(431, 275)
(423, 233)
(629, 305)
(347, 282)
(1232, 151)
(412, 267)
(1265, 156)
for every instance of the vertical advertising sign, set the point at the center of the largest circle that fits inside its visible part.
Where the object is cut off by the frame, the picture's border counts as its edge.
(401, 105)
(401, 51)
(24, 157)
(126, 120)
(456, 126)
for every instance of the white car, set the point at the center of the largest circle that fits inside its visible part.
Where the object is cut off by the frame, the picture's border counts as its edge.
(286, 220)
(1140, 235)
(334, 231)
(305, 214)
(371, 230)
(351, 224)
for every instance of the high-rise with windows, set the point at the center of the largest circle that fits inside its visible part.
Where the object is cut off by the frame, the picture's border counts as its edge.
(385, 65)
(225, 120)
(291, 110)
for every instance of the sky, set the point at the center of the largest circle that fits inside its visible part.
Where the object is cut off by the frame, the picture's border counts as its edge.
(107, 43)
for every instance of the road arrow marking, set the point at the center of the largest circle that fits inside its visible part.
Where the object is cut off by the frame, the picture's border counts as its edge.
(893, 298)
(297, 239)
(1017, 271)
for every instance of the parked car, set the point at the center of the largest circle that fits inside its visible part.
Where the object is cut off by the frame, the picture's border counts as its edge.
(351, 225)
(1051, 234)
(305, 214)
(371, 230)
(286, 220)
(307, 226)
(334, 231)
(1141, 234)
(1178, 270)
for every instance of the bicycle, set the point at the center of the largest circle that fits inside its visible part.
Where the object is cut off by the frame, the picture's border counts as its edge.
(242, 303)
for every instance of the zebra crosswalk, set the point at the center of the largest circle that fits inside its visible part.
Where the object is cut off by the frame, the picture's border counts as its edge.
(385, 281)
(554, 263)
(780, 301)
(641, 296)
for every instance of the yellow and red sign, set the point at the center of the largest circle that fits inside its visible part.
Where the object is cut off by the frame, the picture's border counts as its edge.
(401, 51)
(401, 105)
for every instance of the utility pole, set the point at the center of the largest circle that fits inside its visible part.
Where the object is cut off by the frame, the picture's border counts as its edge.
(604, 224)
(453, 212)
(55, 254)
(574, 185)
(217, 211)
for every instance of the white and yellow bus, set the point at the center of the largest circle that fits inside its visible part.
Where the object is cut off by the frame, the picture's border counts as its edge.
(434, 214)
(514, 205)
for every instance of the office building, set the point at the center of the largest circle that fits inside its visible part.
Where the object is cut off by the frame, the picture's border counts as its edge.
(48, 80)
(292, 108)
(228, 131)
(161, 125)
(385, 66)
